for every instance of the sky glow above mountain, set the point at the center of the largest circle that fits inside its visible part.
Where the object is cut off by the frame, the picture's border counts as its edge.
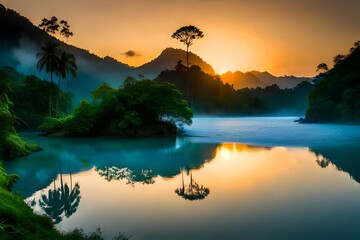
(285, 37)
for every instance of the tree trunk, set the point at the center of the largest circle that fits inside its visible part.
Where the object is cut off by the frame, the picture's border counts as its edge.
(187, 56)
(61, 178)
(50, 102)
(70, 176)
(57, 99)
(67, 94)
(182, 176)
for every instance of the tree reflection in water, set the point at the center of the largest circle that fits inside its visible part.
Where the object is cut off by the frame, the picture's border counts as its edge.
(193, 191)
(322, 161)
(52, 204)
(61, 201)
(145, 176)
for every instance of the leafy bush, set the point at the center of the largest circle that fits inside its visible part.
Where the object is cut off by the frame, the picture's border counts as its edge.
(11, 145)
(52, 125)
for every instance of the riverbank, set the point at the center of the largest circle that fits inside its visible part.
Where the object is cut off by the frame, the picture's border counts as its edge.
(18, 221)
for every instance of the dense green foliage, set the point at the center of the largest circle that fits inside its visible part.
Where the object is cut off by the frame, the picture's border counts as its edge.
(11, 145)
(282, 101)
(30, 98)
(138, 108)
(207, 94)
(17, 220)
(336, 98)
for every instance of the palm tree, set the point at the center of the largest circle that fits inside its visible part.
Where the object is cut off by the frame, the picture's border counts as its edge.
(49, 59)
(52, 204)
(67, 64)
(71, 199)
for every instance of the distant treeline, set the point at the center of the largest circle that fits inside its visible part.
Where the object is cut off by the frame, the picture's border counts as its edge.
(207, 94)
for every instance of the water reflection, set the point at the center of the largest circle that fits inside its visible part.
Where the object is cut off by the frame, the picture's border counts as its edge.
(52, 204)
(344, 158)
(131, 160)
(192, 191)
(277, 189)
(321, 161)
(144, 176)
(60, 202)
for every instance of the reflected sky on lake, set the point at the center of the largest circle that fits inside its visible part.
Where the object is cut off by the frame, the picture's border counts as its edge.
(195, 188)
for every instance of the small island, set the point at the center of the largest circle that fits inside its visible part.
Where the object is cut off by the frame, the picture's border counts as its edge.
(136, 109)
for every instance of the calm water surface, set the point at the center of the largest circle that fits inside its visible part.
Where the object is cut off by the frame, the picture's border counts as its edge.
(230, 178)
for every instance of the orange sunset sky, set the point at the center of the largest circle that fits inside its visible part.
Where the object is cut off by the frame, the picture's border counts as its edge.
(280, 36)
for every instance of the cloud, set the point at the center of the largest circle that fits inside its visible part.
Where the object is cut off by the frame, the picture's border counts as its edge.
(131, 53)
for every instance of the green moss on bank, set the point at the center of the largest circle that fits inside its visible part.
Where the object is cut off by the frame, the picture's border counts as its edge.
(13, 146)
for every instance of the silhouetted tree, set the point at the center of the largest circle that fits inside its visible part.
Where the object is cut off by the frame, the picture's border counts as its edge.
(187, 35)
(338, 58)
(67, 64)
(65, 30)
(322, 67)
(50, 25)
(49, 58)
(356, 45)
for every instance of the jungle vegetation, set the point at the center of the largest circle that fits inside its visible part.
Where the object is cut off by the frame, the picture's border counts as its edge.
(336, 96)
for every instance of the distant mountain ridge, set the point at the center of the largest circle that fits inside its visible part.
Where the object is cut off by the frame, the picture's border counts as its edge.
(20, 41)
(256, 79)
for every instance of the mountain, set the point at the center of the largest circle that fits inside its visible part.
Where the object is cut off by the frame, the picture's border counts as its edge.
(255, 79)
(283, 81)
(21, 40)
(168, 59)
(242, 80)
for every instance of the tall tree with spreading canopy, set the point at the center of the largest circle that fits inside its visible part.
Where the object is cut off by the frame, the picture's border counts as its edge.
(50, 25)
(187, 35)
(49, 59)
(65, 30)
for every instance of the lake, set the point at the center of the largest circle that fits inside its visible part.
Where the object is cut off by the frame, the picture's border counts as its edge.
(227, 178)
